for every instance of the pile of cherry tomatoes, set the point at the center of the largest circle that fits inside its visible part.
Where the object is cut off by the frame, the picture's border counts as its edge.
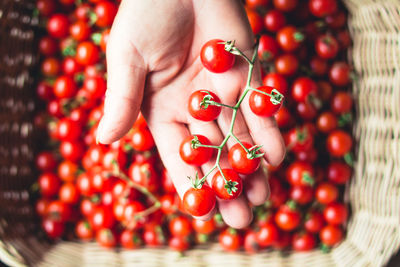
(120, 194)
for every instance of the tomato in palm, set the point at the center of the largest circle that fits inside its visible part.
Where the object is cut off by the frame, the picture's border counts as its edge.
(180, 226)
(239, 161)
(314, 221)
(287, 64)
(274, 20)
(204, 227)
(145, 175)
(101, 217)
(142, 140)
(339, 143)
(53, 229)
(49, 184)
(215, 58)
(331, 235)
(105, 12)
(338, 172)
(267, 235)
(276, 81)
(326, 193)
(64, 87)
(287, 218)
(87, 53)
(268, 48)
(230, 190)
(195, 155)
(341, 102)
(327, 122)
(339, 74)
(265, 104)
(303, 241)
(289, 38)
(105, 237)
(300, 173)
(285, 5)
(322, 8)
(302, 194)
(202, 110)
(84, 231)
(130, 239)
(335, 213)
(303, 89)
(230, 239)
(199, 201)
(57, 25)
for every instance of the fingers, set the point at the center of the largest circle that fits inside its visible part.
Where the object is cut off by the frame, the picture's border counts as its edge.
(125, 83)
(257, 187)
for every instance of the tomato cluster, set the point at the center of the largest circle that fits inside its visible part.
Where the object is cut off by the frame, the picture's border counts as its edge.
(120, 194)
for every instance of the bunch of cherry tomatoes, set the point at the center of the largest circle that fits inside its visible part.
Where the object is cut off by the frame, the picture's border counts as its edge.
(120, 194)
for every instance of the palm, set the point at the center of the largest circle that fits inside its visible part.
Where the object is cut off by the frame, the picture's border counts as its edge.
(164, 57)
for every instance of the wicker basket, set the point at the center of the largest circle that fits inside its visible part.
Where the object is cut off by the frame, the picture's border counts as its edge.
(374, 192)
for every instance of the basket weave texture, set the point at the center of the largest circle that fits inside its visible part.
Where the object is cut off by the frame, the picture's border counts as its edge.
(374, 192)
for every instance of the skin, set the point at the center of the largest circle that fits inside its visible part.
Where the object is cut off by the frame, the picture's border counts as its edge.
(154, 65)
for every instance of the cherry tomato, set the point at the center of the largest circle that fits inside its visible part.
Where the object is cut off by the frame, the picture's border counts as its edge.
(267, 235)
(130, 239)
(287, 218)
(302, 194)
(336, 20)
(80, 31)
(179, 243)
(105, 237)
(48, 46)
(215, 58)
(50, 66)
(326, 193)
(96, 86)
(276, 81)
(101, 217)
(64, 87)
(268, 48)
(46, 7)
(338, 172)
(285, 5)
(87, 53)
(306, 110)
(104, 40)
(154, 236)
(206, 112)
(59, 211)
(286, 64)
(327, 122)
(331, 235)
(49, 184)
(195, 156)
(265, 105)
(239, 161)
(199, 202)
(105, 12)
(84, 231)
(144, 174)
(257, 3)
(284, 241)
(53, 229)
(220, 186)
(255, 20)
(250, 242)
(303, 89)
(274, 20)
(318, 66)
(322, 8)
(289, 38)
(204, 227)
(45, 161)
(69, 193)
(335, 213)
(299, 139)
(341, 102)
(142, 140)
(314, 221)
(339, 74)
(68, 130)
(230, 239)
(339, 143)
(303, 241)
(327, 46)
(279, 194)
(130, 212)
(300, 173)
(84, 185)
(41, 206)
(180, 226)
(57, 25)
(283, 117)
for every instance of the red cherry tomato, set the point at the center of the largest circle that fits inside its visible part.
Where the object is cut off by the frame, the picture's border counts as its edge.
(327, 46)
(178, 243)
(265, 105)
(339, 143)
(69, 193)
(204, 227)
(58, 25)
(219, 185)
(251, 245)
(255, 20)
(84, 231)
(303, 88)
(267, 235)
(276, 81)
(322, 8)
(274, 20)
(105, 12)
(87, 53)
(287, 218)
(289, 38)
(230, 239)
(341, 102)
(205, 112)
(49, 184)
(53, 229)
(199, 202)
(196, 156)
(105, 237)
(130, 239)
(303, 241)
(335, 213)
(142, 140)
(215, 58)
(286, 64)
(338, 172)
(314, 221)
(327, 122)
(285, 5)
(302, 194)
(144, 174)
(268, 48)
(299, 139)
(64, 87)
(180, 226)
(326, 193)
(101, 217)
(331, 235)
(256, 3)
(300, 173)
(339, 74)
(239, 161)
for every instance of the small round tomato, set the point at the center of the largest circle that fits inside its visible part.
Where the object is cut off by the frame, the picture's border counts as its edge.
(306, 110)
(105, 237)
(59, 211)
(101, 217)
(274, 20)
(339, 143)
(53, 229)
(96, 86)
(303, 89)
(105, 12)
(314, 221)
(335, 213)
(180, 226)
(289, 38)
(154, 236)
(251, 245)
(310, 155)
(302, 194)
(267, 235)
(46, 7)
(338, 172)
(285, 5)
(46, 161)
(48, 46)
(232, 190)
(215, 58)
(80, 30)
(50, 66)
(84, 231)
(287, 218)
(130, 239)
(324, 90)
(327, 46)
(104, 40)
(69, 193)
(299, 139)
(167, 183)
(303, 241)
(322, 8)
(279, 194)
(255, 20)
(87, 53)
(331, 235)
(284, 241)
(276, 81)
(283, 117)
(179, 243)
(265, 104)
(101, 181)
(202, 110)
(287, 64)
(142, 140)
(230, 239)
(44, 91)
(169, 204)
(49, 184)
(341, 102)
(326, 193)
(87, 206)
(84, 185)
(64, 87)
(70, 66)
(145, 175)
(195, 155)
(68, 130)
(327, 122)
(336, 20)
(41, 206)
(130, 214)
(239, 160)
(256, 3)
(57, 25)
(300, 173)
(268, 48)
(204, 227)
(339, 74)
(318, 66)
(199, 201)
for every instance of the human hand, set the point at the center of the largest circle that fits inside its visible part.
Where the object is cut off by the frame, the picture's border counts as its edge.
(154, 65)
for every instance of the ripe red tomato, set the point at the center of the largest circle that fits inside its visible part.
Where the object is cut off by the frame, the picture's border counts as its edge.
(265, 105)
(274, 20)
(250, 242)
(144, 174)
(299, 139)
(53, 229)
(287, 218)
(44, 91)
(339, 74)
(215, 58)
(331, 235)
(276, 81)
(130, 239)
(154, 236)
(303, 89)
(142, 140)
(300, 173)
(339, 143)
(179, 243)
(104, 40)
(48, 46)
(57, 25)
(303, 241)
(342, 102)
(302, 194)
(49, 184)
(50, 66)
(256, 3)
(69, 193)
(283, 117)
(318, 66)
(204, 112)
(87, 53)
(239, 161)
(84, 231)
(84, 185)
(96, 86)
(285, 5)
(80, 30)
(220, 186)
(338, 172)
(180, 226)
(46, 7)
(130, 214)
(335, 213)
(268, 48)
(45, 161)
(306, 110)
(59, 211)
(68, 130)
(105, 237)
(195, 156)
(322, 8)
(289, 38)
(326, 46)
(230, 239)
(255, 20)
(267, 235)
(105, 12)
(314, 221)
(167, 183)
(287, 64)
(336, 20)
(101, 217)
(199, 202)
(41, 207)
(326, 193)
(64, 87)
(327, 122)
(279, 194)
(204, 227)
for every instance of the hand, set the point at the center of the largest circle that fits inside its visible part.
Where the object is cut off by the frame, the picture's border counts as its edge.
(154, 65)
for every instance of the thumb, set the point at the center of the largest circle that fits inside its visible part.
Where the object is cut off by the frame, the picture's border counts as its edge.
(125, 84)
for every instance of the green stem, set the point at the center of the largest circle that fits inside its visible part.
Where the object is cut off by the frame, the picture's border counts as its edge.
(241, 144)
(219, 104)
(210, 146)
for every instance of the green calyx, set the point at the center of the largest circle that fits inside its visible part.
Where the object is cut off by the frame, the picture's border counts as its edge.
(195, 142)
(253, 152)
(196, 182)
(206, 100)
(231, 187)
(308, 179)
(276, 97)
